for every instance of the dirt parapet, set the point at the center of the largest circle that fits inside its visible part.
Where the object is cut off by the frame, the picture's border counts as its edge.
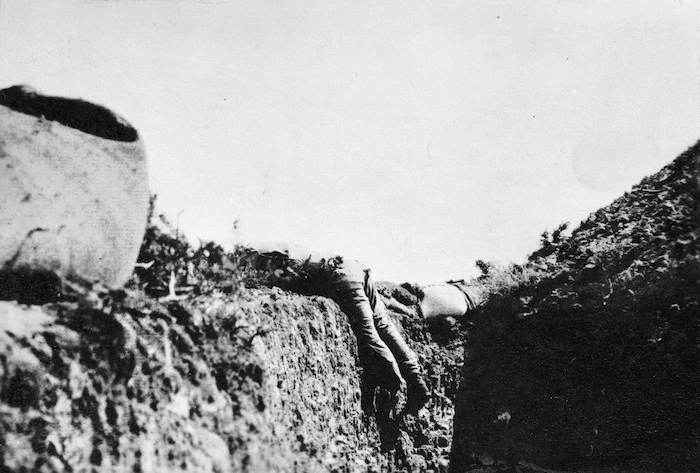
(263, 381)
(206, 375)
(587, 357)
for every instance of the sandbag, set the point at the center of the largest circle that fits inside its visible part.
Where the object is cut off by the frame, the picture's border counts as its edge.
(473, 294)
(73, 188)
(443, 300)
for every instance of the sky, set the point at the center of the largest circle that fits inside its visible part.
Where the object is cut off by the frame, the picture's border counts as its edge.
(414, 136)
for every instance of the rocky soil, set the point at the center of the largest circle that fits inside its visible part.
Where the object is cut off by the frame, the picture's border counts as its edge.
(586, 358)
(190, 370)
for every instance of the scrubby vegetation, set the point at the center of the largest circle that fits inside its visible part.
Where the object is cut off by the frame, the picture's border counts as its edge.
(168, 265)
(587, 354)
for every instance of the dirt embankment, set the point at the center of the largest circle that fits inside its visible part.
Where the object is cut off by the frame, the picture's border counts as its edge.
(587, 357)
(262, 381)
(212, 376)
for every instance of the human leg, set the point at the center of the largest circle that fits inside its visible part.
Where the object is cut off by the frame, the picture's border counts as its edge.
(375, 355)
(405, 357)
(418, 393)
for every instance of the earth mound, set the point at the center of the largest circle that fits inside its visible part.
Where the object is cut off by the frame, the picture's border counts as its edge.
(587, 356)
(197, 366)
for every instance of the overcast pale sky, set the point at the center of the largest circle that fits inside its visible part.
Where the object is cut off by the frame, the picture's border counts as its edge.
(414, 136)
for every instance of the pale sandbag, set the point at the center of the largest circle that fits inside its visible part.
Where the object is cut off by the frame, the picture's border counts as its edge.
(473, 294)
(443, 300)
(73, 196)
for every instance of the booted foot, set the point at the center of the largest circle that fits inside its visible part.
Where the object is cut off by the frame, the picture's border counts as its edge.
(391, 381)
(417, 396)
(384, 372)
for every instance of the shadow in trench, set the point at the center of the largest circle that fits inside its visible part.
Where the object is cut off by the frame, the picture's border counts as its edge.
(382, 404)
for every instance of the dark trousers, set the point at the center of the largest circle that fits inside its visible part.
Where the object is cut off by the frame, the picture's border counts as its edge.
(383, 351)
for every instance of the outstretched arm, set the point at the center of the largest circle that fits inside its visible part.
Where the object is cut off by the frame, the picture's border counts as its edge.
(396, 306)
